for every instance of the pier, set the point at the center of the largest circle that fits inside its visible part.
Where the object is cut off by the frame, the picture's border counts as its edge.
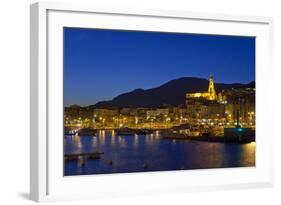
(76, 156)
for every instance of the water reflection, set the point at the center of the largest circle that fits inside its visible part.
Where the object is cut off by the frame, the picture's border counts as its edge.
(136, 140)
(112, 140)
(94, 141)
(133, 153)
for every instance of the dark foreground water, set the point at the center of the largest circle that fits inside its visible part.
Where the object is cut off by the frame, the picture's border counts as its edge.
(151, 153)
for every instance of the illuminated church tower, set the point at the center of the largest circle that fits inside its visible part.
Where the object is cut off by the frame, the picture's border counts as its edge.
(210, 95)
(211, 89)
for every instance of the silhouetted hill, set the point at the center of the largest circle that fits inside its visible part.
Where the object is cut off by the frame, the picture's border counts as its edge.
(170, 93)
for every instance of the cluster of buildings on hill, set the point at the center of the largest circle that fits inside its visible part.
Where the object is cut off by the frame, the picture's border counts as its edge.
(227, 104)
(207, 109)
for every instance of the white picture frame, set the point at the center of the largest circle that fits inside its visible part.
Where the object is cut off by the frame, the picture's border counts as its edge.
(47, 182)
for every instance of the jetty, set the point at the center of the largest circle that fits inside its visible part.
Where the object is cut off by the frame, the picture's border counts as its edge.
(207, 137)
(76, 156)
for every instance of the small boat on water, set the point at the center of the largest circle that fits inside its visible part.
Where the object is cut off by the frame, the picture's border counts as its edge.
(87, 131)
(130, 131)
(169, 134)
(68, 131)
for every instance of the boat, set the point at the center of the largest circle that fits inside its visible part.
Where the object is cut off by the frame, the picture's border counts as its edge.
(130, 131)
(87, 132)
(169, 134)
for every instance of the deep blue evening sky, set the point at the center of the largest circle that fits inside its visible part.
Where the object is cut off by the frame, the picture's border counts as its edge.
(101, 64)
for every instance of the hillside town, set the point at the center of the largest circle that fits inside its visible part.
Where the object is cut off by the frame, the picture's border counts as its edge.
(206, 112)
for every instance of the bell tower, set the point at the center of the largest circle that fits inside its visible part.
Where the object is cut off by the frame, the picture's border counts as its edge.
(211, 89)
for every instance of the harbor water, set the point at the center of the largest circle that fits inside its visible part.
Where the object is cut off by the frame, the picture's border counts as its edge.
(139, 153)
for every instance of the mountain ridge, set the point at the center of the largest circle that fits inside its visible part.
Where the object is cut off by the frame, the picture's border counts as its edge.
(171, 93)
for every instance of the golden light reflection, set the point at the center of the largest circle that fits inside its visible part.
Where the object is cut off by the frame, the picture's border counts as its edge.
(136, 139)
(251, 147)
(146, 137)
(102, 136)
(112, 141)
(77, 140)
(119, 139)
(253, 143)
(248, 150)
(157, 135)
(113, 134)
